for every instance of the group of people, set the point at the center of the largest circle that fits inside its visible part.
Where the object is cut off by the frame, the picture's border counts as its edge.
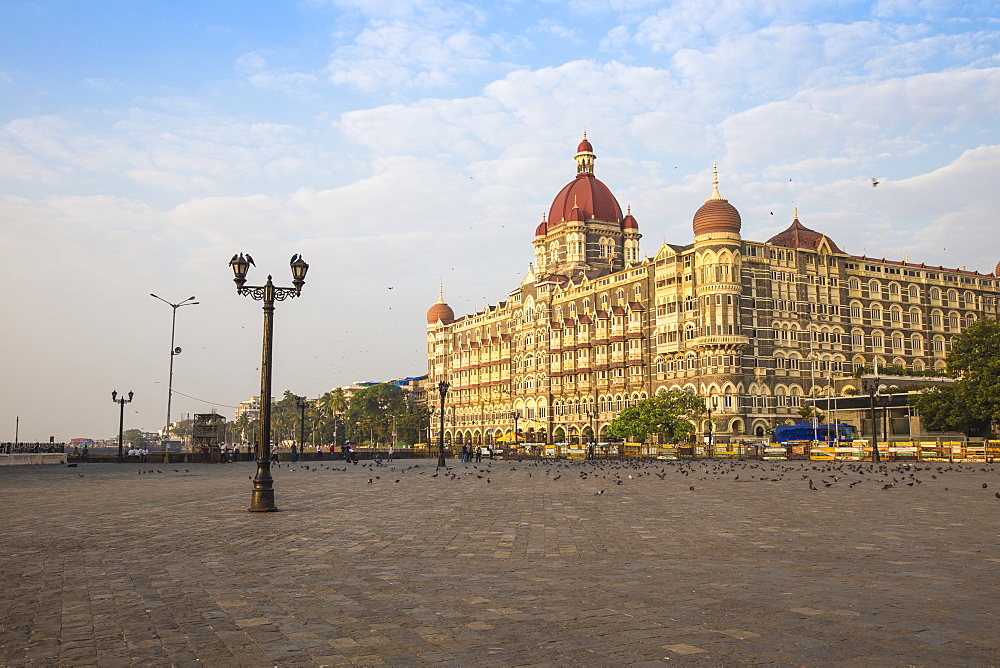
(139, 454)
(78, 455)
(470, 451)
(227, 456)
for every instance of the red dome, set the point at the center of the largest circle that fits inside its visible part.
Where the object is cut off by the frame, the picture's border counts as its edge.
(585, 146)
(542, 229)
(630, 222)
(588, 194)
(440, 311)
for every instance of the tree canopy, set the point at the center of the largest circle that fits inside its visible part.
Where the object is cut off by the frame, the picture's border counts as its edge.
(375, 412)
(972, 403)
(670, 415)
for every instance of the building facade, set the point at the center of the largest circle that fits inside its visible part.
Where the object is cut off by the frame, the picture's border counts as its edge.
(756, 328)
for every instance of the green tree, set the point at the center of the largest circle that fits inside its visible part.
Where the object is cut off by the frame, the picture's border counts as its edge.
(972, 403)
(671, 415)
(331, 408)
(949, 408)
(135, 439)
(411, 424)
(369, 415)
(807, 413)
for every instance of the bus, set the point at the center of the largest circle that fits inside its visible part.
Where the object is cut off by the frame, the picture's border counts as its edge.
(807, 431)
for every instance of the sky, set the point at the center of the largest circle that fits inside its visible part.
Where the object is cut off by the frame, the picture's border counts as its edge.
(396, 145)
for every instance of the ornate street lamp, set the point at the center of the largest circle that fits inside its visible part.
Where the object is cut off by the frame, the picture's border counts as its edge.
(302, 403)
(173, 352)
(712, 404)
(121, 420)
(262, 499)
(871, 386)
(443, 390)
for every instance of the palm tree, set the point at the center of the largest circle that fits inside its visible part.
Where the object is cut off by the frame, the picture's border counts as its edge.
(332, 406)
(810, 412)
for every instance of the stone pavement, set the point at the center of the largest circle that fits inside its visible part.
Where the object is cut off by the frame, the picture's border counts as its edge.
(501, 564)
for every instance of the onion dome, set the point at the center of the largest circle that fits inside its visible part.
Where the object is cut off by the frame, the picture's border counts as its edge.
(716, 214)
(629, 223)
(543, 228)
(593, 199)
(440, 311)
(798, 235)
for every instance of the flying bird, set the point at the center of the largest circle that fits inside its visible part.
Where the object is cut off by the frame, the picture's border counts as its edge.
(874, 183)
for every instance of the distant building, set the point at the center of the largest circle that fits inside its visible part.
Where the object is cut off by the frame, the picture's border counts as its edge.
(412, 386)
(250, 408)
(756, 328)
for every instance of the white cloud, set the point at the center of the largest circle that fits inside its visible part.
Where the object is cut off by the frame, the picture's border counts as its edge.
(398, 55)
(255, 68)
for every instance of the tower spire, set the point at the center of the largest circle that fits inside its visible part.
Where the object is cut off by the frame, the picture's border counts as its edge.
(715, 182)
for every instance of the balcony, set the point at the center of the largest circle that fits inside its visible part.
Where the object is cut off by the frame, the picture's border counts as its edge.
(718, 340)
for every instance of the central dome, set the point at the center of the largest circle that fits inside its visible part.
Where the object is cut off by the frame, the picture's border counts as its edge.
(591, 199)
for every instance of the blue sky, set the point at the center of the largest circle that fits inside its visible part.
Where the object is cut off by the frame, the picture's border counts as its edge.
(396, 144)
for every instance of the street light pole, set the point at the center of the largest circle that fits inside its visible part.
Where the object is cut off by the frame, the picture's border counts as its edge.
(711, 404)
(443, 390)
(173, 352)
(302, 402)
(121, 420)
(872, 386)
(262, 498)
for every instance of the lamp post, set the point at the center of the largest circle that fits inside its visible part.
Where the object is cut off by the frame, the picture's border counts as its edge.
(262, 498)
(302, 402)
(174, 351)
(711, 404)
(443, 390)
(515, 416)
(121, 420)
(871, 386)
(591, 416)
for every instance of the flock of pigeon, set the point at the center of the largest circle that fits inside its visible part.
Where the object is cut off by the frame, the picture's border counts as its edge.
(817, 476)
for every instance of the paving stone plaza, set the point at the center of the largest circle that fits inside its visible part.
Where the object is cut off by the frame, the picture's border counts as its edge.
(502, 564)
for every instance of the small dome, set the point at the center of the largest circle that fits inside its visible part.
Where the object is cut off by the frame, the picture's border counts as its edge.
(716, 214)
(440, 310)
(542, 229)
(585, 146)
(630, 223)
(996, 271)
